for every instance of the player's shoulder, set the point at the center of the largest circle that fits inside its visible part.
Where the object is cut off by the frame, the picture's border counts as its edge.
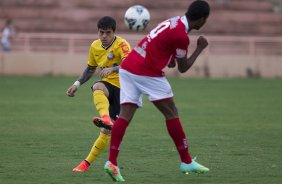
(120, 39)
(181, 28)
(96, 44)
(121, 42)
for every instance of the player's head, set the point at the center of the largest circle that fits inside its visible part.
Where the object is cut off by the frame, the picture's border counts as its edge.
(107, 23)
(106, 30)
(198, 12)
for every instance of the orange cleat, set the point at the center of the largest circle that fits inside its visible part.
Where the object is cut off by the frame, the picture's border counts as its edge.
(82, 167)
(104, 122)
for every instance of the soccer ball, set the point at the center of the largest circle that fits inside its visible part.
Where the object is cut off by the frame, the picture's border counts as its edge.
(137, 18)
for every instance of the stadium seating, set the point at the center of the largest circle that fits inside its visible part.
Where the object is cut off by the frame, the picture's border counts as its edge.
(229, 17)
(245, 37)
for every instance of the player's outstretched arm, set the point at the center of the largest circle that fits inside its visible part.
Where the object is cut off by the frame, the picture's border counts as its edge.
(185, 63)
(87, 74)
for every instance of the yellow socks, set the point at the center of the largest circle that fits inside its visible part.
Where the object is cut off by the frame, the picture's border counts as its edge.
(101, 102)
(100, 144)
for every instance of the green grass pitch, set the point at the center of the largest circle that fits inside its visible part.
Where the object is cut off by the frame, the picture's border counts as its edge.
(234, 127)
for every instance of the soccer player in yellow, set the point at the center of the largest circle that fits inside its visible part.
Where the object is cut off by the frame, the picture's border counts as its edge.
(107, 53)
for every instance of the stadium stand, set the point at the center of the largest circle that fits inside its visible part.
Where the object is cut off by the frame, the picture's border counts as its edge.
(243, 35)
(229, 17)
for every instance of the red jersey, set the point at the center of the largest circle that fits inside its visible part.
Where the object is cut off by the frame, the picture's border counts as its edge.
(169, 40)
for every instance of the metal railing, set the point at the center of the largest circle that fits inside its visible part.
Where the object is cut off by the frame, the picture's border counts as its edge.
(80, 43)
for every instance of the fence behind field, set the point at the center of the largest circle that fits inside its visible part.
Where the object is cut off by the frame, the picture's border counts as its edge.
(79, 43)
(66, 54)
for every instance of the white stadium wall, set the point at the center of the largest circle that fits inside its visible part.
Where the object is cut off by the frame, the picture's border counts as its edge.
(214, 66)
(23, 64)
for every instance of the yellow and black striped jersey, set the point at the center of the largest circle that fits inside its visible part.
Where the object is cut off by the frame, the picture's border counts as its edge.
(109, 57)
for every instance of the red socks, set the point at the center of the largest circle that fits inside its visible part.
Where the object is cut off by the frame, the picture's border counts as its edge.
(177, 134)
(174, 128)
(117, 134)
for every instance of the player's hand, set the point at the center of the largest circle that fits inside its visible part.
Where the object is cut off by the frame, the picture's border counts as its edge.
(202, 42)
(71, 91)
(172, 64)
(105, 72)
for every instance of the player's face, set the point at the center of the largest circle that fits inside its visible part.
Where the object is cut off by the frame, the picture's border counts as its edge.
(106, 36)
(200, 23)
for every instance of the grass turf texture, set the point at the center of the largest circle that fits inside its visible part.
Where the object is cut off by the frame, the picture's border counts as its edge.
(234, 127)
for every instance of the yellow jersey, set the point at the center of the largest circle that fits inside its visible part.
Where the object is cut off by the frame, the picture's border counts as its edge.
(109, 57)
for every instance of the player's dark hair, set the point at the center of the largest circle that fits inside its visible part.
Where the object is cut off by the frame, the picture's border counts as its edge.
(107, 23)
(198, 9)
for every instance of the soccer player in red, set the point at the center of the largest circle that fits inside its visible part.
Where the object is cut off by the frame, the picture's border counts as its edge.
(142, 73)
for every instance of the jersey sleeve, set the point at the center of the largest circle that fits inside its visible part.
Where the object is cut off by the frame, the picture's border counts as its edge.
(124, 49)
(181, 47)
(91, 58)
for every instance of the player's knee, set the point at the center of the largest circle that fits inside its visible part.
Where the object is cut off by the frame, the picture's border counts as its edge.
(171, 113)
(98, 86)
(127, 111)
(105, 131)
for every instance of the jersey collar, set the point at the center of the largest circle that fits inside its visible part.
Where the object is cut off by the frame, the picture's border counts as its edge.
(185, 22)
(109, 44)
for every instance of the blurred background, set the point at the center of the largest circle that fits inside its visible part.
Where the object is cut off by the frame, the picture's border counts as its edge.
(52, 37)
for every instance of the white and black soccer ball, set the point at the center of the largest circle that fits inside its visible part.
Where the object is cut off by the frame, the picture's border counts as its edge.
(137, 18)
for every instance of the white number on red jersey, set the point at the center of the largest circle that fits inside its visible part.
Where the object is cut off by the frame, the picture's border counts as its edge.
(161, 27)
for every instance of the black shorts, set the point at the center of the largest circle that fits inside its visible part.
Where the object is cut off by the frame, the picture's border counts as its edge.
(113, 99)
